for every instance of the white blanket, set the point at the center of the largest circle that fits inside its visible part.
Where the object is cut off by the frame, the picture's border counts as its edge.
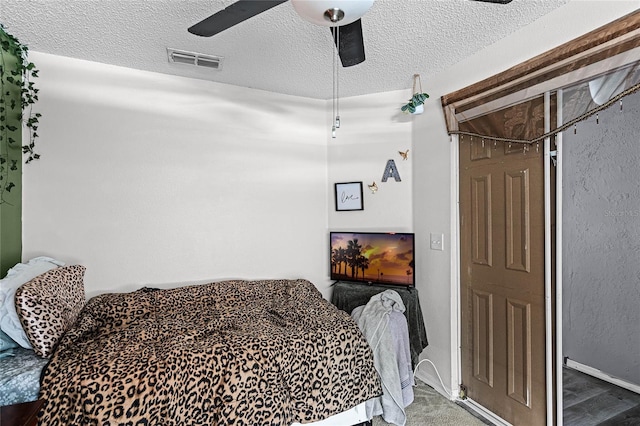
(384, 326)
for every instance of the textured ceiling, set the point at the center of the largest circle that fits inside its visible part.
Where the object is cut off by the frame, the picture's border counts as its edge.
(276, 51)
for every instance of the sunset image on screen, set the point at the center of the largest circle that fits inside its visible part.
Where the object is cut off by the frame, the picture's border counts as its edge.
(372, 257)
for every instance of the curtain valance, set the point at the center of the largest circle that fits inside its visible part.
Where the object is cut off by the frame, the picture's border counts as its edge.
(594, 72)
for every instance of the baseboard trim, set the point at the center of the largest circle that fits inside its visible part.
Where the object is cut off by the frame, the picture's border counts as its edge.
(599, 374)
(483, 412)
(468, 403)
(435, 384)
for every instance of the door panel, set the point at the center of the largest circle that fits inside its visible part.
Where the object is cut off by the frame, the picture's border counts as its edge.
(483, 337)
(519, 351)
(502, 279)
(517, 222)
(481, 220)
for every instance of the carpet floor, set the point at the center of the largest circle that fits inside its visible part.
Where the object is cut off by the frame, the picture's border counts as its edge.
(431, 408)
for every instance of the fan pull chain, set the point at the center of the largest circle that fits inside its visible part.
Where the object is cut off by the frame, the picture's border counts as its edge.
(333, 90)
(337, 79)
(575, 129)
(620, 104)
(537, 147)
(597, 119)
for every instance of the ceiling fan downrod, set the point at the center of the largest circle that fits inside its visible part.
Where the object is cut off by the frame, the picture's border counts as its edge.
(334, 15)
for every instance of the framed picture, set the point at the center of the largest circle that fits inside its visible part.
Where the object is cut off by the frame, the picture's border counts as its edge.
(349, 196)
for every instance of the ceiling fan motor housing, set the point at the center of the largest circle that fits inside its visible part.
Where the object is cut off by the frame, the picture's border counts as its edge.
(329, 13)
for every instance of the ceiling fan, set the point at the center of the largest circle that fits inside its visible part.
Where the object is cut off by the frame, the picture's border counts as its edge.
(344, 14)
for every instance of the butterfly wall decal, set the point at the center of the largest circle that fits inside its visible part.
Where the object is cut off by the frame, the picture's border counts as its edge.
(404, 155)
(373, 187)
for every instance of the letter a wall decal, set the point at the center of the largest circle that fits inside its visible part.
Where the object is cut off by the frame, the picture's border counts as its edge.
(391, 171)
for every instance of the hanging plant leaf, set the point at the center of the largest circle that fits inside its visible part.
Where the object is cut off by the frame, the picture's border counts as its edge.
(18, 95)
(416, 100)
(419, 98)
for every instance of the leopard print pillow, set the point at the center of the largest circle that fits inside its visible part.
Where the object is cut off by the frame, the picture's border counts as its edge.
(49, 304)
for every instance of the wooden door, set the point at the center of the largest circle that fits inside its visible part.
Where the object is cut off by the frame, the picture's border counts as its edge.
(502, 279)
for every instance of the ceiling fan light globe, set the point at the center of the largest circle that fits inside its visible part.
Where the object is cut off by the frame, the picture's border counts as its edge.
(314, 10)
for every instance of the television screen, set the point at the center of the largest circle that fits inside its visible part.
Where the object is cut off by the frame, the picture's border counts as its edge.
(373, 257)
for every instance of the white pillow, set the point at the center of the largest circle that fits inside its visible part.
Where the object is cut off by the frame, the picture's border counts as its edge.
(16, 276)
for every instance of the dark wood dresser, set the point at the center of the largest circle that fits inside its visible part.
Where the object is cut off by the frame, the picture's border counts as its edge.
(347, 296)
(25, 414)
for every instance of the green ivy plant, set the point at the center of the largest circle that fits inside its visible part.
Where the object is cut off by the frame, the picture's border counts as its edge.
(16, 75)
(416, 100)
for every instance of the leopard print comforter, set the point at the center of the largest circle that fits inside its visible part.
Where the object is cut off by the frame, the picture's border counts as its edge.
(229, 353)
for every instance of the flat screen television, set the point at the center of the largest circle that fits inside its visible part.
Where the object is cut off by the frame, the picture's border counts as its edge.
(373, 257)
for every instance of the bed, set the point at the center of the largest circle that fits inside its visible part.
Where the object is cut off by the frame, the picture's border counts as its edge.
(20, 371)
(270, 352)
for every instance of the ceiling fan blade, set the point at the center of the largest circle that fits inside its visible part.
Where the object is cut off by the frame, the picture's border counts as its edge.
(495, 1)
(232, 15)
(351, 48)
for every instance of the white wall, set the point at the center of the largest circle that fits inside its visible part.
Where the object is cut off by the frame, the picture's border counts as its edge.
(149, 179)
(372, 131)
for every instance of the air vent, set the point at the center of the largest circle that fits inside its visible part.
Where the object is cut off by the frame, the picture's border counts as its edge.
(192, 58)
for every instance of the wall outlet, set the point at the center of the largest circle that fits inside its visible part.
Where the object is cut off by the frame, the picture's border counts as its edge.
(437, 241)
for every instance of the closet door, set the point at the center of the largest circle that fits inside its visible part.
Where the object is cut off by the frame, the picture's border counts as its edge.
(502, 278)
